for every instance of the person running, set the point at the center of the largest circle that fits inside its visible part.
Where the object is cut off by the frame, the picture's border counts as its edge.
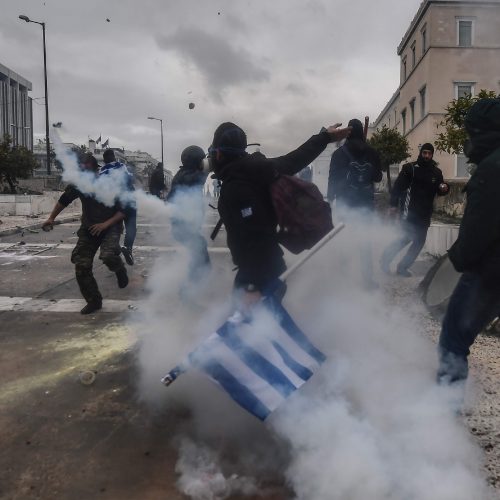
(245, 205)
(111, 165)
(100, 229)
(475, 301)
(413, 196)
(354, 169)
(186, 195)
(157, 181)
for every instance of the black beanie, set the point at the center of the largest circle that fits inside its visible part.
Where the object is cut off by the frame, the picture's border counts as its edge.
(230, 139)
(427, 147)
(192, 157)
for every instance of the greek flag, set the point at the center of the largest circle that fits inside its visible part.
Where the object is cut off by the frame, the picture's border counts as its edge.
(259, 364)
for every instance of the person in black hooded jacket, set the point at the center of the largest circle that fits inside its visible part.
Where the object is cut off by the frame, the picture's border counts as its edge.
(412, 196)
(355, 167)
(475, 301)
(245, 204)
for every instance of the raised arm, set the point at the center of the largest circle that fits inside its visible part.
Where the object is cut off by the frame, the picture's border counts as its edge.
(292, 163)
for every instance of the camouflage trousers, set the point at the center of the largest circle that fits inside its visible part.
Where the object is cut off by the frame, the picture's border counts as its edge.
(83, 258)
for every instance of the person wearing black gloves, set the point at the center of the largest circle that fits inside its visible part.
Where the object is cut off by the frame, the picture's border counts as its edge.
(475, 301)
(245, 205)
(413, 196)
(186, 195)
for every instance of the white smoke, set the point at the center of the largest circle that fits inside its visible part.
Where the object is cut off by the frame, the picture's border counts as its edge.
(372, 423)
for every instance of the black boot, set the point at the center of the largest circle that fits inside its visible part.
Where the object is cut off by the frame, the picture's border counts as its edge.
(91, 307)
(122, 277)
(127, 254)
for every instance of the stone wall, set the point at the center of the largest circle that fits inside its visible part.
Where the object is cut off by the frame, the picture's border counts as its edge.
(454, 203)
(15, 204)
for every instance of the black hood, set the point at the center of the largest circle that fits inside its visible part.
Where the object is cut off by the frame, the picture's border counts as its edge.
(483, 126)
(426, 163)
(356, 143)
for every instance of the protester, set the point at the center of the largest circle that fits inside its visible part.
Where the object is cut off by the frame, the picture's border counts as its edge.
(157, 181)
(413, 197)
(111, 165)
(101, 228)
(475, 301)
(354, 169)
(186, 194)
(245, 205)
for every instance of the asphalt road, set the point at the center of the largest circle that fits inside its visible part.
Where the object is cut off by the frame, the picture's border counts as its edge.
(61, 439)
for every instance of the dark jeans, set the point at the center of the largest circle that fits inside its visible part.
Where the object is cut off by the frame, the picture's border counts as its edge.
(416, 234)
(130, 227)
(196, 245)
(473, 305)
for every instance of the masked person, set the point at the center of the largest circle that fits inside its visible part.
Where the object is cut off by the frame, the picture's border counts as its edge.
(354, 169)
(186, 195)
(100, 230)
(475, 301)
(112, 167)
(245, 204)
(157, 181)
(413, 196)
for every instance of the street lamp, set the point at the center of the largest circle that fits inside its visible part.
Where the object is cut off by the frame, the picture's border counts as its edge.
(161, 128)
(28, 20)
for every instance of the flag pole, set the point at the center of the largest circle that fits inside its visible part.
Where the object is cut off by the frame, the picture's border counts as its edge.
(172, 375)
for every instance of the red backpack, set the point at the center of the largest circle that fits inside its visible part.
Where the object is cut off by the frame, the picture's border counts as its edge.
(304, 217)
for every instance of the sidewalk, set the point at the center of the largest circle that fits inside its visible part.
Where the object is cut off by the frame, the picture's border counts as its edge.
(12, 224)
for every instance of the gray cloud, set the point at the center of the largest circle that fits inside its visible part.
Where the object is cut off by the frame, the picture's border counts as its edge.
(219, 61)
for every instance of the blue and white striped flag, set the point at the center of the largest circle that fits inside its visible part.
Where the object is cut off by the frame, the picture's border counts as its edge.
(258, 363)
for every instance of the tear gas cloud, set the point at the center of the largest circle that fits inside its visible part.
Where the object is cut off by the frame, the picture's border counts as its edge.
(371, 423)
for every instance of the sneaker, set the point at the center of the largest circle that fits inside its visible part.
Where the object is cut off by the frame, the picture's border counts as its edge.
(122, 277)
(404, 273)
(91, 307)
(127, 254)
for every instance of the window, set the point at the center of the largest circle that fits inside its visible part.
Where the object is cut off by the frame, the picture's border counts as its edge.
(403, 119)
(424, 39)
(462, 166)
(412, 113)
(465, 32)
(404, 69)
(423, 103)
(463, 89)
(413, 55)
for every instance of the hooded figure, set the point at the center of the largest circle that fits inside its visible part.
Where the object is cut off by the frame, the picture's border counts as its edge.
(476, 253)
(245, 204)
(354, 169)
(186, 197)
(413, 196)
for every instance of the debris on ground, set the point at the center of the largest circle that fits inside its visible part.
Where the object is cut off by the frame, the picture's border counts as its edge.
(87, 377)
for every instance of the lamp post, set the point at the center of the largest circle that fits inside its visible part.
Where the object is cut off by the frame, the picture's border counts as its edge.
(47, 139)
(161, 129)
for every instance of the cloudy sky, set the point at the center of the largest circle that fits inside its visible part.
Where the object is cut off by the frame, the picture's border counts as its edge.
(281, 69)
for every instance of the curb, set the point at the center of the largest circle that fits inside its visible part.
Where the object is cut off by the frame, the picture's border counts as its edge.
(38, 225)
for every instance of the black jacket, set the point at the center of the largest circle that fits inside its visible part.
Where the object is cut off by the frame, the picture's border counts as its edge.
(245, 207)
(187, 177)
(477, 248)
(339, 165)
(93, 212)
(414, 192)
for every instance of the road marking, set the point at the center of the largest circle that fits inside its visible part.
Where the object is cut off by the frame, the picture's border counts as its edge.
(67, 246)
(28, 304)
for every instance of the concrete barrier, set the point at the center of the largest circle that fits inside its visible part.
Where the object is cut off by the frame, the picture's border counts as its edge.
(440, 238)
(13, 204)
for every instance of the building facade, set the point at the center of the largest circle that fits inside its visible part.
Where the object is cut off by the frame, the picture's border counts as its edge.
(452, 48)
(16, 110)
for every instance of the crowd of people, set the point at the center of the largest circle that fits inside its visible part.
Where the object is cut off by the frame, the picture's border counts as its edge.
(243, 183)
